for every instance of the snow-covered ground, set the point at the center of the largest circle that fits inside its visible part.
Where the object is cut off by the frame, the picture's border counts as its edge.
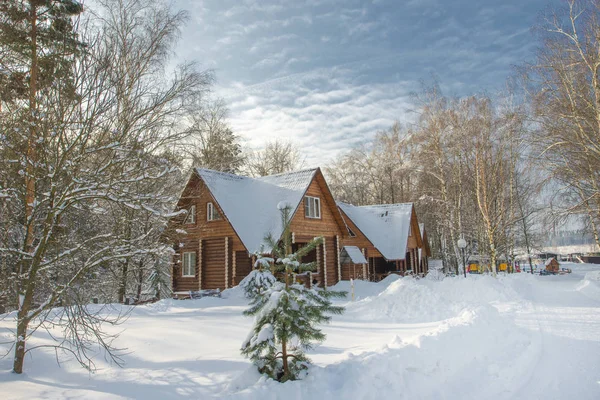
(515, 337)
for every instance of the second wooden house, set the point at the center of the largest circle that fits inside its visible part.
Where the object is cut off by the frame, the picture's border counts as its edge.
(389, 237)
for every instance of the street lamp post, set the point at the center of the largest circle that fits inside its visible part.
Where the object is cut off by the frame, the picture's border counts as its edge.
(462, 243)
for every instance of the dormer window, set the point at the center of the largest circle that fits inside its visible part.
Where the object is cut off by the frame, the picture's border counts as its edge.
(312, 207)
(191, 215)
(211, 212)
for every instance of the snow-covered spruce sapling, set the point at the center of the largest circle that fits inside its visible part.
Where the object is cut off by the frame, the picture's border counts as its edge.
(260, 279)
(287, 314)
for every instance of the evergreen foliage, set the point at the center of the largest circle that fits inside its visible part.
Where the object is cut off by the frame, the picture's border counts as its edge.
(260, 279)
(287, 314)
(42, 31)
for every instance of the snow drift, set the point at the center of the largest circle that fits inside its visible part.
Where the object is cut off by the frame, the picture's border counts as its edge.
(517, 336)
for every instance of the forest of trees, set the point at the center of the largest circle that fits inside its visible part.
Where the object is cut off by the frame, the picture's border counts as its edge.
(496, 170)
(98, 132)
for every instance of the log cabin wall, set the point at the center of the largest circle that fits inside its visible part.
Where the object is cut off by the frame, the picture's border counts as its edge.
(211, 257)
(305, 229)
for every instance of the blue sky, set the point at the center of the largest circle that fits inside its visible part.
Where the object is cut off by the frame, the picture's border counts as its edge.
(328, 74)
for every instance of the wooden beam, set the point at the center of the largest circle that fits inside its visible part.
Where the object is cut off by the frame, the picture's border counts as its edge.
(365, 277)
(199, 261)
(339, 264)
(226, 262)
(234, 273)
(324, 263)
(318, 260)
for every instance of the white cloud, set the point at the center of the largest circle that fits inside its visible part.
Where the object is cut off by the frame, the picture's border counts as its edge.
(323, 121)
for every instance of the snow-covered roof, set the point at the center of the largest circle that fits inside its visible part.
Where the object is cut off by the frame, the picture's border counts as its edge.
(385, 225)
(251, 204)
(295, 180)
(354, 255)
(549, 261)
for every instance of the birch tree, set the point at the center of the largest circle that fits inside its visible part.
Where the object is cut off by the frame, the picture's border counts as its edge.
(89, 140)
(277, 157)
(564, 87)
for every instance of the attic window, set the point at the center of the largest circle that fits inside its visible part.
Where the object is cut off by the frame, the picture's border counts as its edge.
(351, 232)
(191, 215)
(312, 207)
(410, 230)
(211, 212)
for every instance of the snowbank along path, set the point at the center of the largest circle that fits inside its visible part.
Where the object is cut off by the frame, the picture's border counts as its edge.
(514, 337)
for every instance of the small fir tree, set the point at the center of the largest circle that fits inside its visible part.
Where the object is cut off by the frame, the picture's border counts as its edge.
(287, 313)
(260, 279)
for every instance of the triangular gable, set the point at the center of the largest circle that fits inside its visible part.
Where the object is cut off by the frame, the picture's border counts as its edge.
(301, 180)
(251, 205)
(386, 226)
(424, 239)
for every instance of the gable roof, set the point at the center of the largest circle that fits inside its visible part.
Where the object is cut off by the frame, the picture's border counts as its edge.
(295, 180)
(385, 225)
(251, 204)
(352, 254)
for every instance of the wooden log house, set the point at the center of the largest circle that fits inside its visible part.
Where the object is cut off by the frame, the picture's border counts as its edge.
(228, 217)
(388, 235)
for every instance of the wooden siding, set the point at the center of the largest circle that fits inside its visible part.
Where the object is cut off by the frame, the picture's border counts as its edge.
(331, 260)
(181, 283)
(196, 193)
(353, 271)
(309, 228)
(414, 240)
(213, 263)
(243, 266)
(328, 226)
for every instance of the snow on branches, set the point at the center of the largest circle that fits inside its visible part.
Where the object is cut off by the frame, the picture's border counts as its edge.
(286, 313)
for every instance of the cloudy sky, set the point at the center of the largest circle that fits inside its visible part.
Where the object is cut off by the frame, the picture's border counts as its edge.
(328, 74)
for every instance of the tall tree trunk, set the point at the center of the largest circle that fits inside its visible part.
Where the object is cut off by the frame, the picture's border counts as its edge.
(24, 294)
(22, 323)
(284, 356)
(140, 280)
(123, 281)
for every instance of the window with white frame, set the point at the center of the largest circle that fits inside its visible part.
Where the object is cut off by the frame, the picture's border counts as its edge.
(211, 212)
(191, 215)
(189, 264)
(312, 207)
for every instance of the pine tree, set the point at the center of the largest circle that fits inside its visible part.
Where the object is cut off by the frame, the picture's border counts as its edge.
(260, 279)
(38, 42)
(287, 313)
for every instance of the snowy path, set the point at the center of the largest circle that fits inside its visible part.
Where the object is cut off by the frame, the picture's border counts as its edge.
(569, 325)
(515, 337)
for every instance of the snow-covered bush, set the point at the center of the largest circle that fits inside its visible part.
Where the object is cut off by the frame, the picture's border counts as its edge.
(260, 279)
(286, 313)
